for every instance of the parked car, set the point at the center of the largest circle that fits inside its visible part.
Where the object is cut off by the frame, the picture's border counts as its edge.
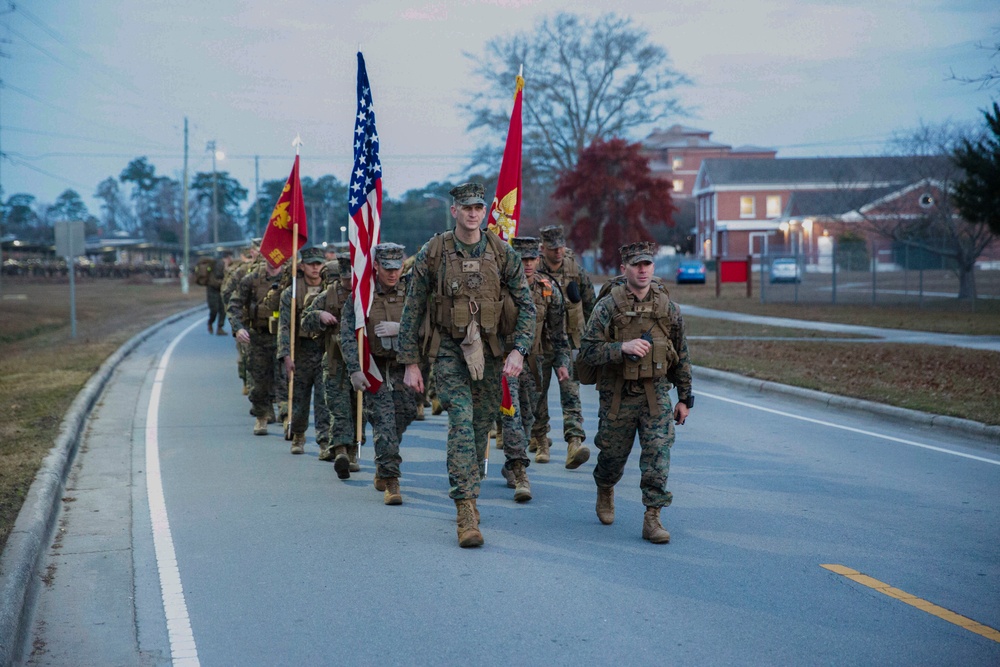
(786, 270)
(691, 271)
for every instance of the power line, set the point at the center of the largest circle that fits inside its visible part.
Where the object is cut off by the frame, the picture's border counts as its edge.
(57, 135)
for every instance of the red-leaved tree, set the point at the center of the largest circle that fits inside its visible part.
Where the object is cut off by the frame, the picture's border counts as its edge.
(610, 198)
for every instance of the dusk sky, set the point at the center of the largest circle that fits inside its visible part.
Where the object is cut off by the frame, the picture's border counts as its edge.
(88, 86)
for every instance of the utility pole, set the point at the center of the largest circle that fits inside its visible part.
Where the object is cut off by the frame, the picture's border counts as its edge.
(185, 287)
(210, 146)
(3, 40)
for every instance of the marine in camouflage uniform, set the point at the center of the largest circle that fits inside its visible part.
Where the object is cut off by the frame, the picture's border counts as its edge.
(524, 388)
(252, 310)
(564, 269)
(234, 274)
(393, 406)
(635, 339)
(306, 366)
(322, 316)
(457, 280)
(213, 293)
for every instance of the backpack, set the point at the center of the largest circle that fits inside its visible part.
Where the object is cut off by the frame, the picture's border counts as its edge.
(203, 271)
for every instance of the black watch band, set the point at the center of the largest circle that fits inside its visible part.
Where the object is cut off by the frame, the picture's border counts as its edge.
(522, 349)
(689, 401)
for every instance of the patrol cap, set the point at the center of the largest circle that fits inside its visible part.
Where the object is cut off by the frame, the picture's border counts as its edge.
(640, 251)
(553, 236)
(389, 255)
(344, 260)
(468, 194)
(527, 247)
(312, 255)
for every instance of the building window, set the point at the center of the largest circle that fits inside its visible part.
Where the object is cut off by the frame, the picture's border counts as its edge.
(746, 206)
(678, 163)
(773, 206)
(678, 185)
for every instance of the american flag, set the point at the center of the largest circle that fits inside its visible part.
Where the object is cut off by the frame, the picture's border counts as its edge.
(365, 208)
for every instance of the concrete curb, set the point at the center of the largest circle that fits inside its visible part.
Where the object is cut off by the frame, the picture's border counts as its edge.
(33, 528)
(989, 433)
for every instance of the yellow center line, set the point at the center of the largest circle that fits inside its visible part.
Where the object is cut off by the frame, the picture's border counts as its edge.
(914, 601)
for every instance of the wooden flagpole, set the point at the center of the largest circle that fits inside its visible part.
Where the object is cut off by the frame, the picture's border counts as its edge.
(291, 326)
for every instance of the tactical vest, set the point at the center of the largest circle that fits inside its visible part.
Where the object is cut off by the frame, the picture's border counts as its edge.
(652, 318)
(541, 292)
(266, 301)
(569, 272)
(386, 307)
(302, 300)
(467, 289)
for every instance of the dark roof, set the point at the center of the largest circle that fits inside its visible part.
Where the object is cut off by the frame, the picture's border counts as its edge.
(834, 171)
(804, 203)
(680, 136)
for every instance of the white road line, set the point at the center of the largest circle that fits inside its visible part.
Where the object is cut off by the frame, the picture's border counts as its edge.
(872, 434)
(182, 647)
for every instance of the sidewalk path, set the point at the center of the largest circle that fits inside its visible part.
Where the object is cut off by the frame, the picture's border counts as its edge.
(990, 343)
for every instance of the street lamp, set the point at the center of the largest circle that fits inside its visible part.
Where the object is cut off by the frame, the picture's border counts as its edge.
(447, 207)
(343, 233)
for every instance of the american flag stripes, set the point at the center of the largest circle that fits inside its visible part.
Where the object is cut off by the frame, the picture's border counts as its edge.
(365, 213)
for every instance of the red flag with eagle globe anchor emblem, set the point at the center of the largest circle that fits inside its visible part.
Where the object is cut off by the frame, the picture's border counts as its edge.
(505, 213)
(276, 246)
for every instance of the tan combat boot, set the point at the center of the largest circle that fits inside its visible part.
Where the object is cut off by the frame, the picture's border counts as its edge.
(326, 453)
(436, 407)
(352, 454)
(533, 444)
(652, 530)
(341, 462)
(509, 476)
(468, 524)
(220, 331)
(606, 505)
(542, 453)
(260, 426)
(576, 453)
(298, 443)
(420, 411)
(392, 494)
(499, 438)
(522, 489)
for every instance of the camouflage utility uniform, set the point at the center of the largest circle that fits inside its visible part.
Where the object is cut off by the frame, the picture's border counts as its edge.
(524, 388)
(578, 302)
(634, 390)
(213, 294)
(455, 284)
(340, 398)
(307, 380)
(393, 406)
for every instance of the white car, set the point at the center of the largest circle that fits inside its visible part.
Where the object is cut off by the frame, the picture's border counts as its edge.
(786, 270)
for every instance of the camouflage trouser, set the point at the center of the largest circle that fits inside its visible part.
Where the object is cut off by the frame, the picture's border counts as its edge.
(404, 399)
(380, 412)
(308, 382)
(341, 402)
(656, 436)
(472, 408)
(524, 395)
(261, 362)
(214, 297)
(569, 396)
(242, 353)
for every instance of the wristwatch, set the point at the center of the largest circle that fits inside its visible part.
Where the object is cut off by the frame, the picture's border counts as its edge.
(522, 349)
(689, 401)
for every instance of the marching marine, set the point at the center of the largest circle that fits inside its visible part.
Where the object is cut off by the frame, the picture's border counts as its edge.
(394, 405)
(635, 344)
(306, 368)
(577, 289)
(458, 284)
(524, 388)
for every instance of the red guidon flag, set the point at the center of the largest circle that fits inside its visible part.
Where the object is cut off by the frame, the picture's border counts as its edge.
(276, 246)
(506, 404)
(505, 213)
(364, 205)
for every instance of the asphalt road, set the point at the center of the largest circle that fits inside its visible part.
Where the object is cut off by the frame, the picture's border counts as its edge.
(258, 557)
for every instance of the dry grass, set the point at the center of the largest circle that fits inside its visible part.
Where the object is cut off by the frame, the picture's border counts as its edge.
(43, 369)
